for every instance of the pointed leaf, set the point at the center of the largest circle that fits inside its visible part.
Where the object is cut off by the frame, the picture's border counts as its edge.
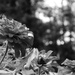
(48, 54)
(25, 62)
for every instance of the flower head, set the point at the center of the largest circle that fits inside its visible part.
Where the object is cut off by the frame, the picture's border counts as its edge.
(18, 36)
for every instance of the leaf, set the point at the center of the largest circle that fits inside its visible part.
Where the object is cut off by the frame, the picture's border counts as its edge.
(3, 72)
(32, 57)
(53, 64)
(69, 62)
(42, 51)
(48, 54)
(64, 71)
(53, 73)
(25, 62)
(27, 72)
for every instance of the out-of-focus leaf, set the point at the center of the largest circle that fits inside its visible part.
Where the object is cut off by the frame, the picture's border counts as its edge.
(43, 51)
(34, 55)
(28, 72)
(64, 71)
(26, 62)
(53, 73)
(3, 72)
(48, 54)
(69, 62)
(52, 64)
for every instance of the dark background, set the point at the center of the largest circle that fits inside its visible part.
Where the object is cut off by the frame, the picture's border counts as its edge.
(46, 35)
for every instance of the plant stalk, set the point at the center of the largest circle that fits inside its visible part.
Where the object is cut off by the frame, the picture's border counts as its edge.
(4, 54)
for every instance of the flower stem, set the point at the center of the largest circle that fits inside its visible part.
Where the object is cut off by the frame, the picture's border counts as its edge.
(39, 70)
(4, 54)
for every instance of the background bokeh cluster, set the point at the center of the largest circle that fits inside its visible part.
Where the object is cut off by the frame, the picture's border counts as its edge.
(52, 22)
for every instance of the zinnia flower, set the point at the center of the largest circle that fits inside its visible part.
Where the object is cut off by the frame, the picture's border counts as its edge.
(18, 36)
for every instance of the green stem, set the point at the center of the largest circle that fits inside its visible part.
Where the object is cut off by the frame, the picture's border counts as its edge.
(39, 70)
(4, 54)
